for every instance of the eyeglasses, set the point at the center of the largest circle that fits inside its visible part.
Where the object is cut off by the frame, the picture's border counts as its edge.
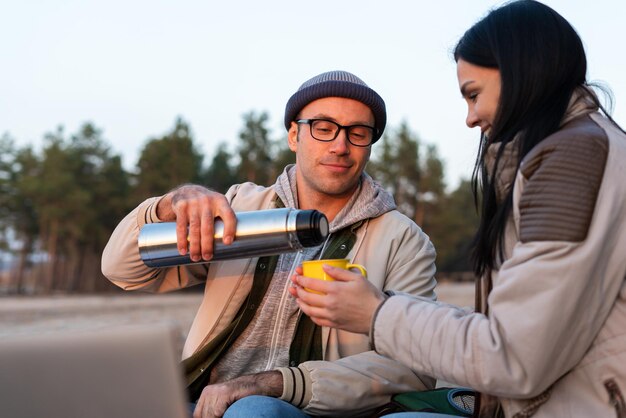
(326, 130)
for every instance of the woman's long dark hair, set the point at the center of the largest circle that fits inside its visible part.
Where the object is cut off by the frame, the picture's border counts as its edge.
(542, 61)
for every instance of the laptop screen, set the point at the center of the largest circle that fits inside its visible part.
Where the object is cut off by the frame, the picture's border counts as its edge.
(123, 372)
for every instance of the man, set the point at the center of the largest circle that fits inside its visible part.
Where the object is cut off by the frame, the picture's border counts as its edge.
(249, 337)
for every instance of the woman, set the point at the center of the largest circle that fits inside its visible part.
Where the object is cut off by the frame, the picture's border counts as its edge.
(549, 333)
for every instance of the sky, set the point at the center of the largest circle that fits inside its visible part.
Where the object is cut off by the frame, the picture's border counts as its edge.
(133, 67)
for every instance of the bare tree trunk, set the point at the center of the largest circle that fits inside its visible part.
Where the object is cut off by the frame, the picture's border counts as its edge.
(20, 268)
(70, 276)
(419, 214)
(91, 273)
(60, 272)
(76, 273)
(48, 279)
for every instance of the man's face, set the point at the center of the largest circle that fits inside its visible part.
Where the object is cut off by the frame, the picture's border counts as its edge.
(329, 169)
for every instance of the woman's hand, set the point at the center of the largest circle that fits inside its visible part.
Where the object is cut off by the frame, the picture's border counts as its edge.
(347, 303)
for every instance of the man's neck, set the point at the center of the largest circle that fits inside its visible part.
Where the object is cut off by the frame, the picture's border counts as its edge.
(329, 205)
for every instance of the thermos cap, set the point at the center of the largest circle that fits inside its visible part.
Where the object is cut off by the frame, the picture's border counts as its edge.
(311, 227)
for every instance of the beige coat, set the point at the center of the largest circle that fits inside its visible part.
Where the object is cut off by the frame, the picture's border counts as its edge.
(395, 252)
(553, 343)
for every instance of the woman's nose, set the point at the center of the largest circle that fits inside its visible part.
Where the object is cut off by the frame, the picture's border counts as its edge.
(471, 121)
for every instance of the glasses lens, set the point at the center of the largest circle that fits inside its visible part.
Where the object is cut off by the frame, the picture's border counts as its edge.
(361, 135)
(324, 130)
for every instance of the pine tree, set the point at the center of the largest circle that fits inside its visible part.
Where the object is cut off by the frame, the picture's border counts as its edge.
(167, 162)
(254, 150)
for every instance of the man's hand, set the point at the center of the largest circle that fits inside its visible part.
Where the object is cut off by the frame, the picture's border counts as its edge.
(194, 208)
(215, 399)
(347, 303)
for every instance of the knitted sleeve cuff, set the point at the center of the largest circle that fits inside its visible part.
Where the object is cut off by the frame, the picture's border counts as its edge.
(296, 386)
(147, 212)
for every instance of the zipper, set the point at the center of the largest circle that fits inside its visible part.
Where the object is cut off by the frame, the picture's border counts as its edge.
(615, 397)
(279, 327)
(533, 405)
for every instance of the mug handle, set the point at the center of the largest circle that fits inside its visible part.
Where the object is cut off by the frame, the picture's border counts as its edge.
(358, 267)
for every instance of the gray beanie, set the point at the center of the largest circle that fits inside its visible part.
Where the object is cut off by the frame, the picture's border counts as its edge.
(337, 84)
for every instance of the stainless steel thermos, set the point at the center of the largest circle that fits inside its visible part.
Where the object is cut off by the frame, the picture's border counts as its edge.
(259, 233)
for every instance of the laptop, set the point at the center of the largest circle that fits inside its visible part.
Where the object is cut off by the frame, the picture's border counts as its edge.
(122, 372)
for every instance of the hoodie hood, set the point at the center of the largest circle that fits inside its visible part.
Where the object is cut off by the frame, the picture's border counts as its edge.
(369, 200)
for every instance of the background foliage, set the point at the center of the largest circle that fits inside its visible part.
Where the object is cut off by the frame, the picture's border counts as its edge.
(59, 205)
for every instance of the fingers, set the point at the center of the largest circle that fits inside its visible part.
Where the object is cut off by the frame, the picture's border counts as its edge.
(315, 306)
(182, 233)
(207, 232)
(316, 285)
(197, 412)
(341, 275)
(315, 312)
(196, 208)
(225, 212)
(208, 405)
(293, 290)
(303, 287)
(195, 236)
(348, 304)
(316, 315)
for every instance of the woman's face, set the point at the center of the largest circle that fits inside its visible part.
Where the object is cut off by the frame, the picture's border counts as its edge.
(480, 87)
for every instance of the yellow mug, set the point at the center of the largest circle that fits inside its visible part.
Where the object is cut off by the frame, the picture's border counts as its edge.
(313, 268)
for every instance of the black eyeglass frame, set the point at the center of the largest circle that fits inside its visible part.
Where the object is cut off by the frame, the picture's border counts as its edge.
(347, 129)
